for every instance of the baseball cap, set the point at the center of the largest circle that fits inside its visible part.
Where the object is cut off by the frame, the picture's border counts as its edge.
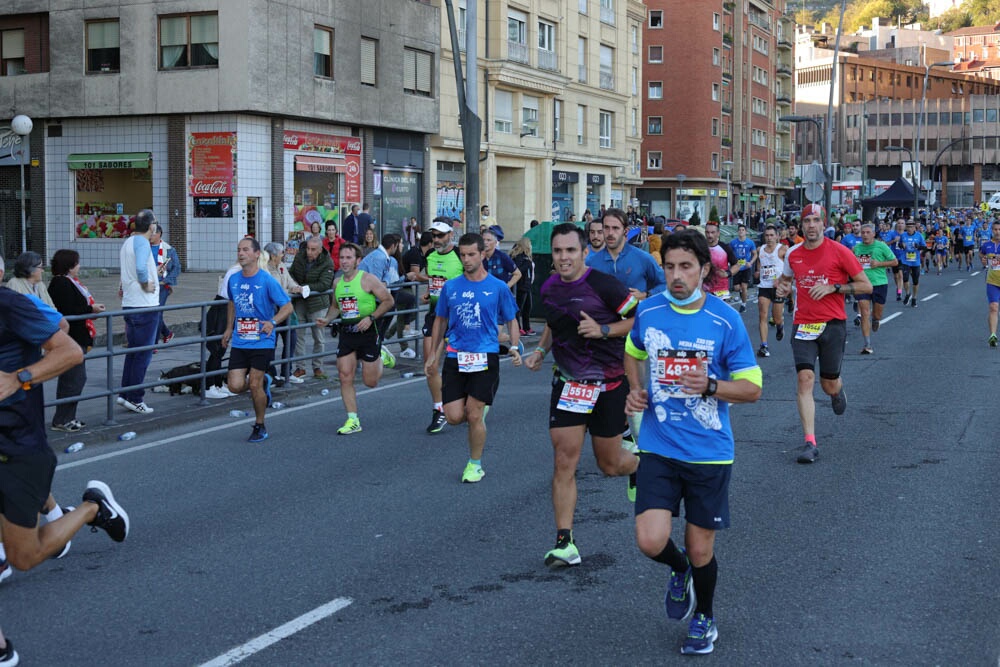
(814, 209)
(440, 227)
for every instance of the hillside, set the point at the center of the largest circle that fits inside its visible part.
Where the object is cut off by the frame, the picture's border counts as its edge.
(860, 13)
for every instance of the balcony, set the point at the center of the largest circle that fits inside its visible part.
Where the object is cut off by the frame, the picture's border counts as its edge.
(517, 52)
(727, 142)
(727, 108)
(728, 7)
(782, 98)
(608, 15)
(783, 43)
(727, 40)
(783, 126)
(607, 80)
(727, 71)
(761, 21)
(548, 60)
(782, 154)
(783, 70)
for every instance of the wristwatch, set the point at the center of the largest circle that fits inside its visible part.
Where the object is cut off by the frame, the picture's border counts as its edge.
(712, 387)
(605, 331)
(836, 288)
(24, 377)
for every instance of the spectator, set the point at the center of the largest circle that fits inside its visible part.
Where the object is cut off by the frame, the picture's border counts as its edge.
(28, 278)
(521, 254)
(315, 229)
(351, 230)
(656, 239)
(270, 260)
(370, 242)
(331, 243)
(485, 219)
(411, 233)
(384, 263)
(168, 269)
(72, 298)
(365, 220)
(140, 289)
(496, 261)
(313, 269)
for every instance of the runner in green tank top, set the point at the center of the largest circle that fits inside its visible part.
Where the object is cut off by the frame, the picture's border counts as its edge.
(361, 299)
(443, 264)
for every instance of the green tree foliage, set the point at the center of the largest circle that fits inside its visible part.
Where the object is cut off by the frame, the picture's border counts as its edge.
(713, 215)
(859, 14)
(695, 219)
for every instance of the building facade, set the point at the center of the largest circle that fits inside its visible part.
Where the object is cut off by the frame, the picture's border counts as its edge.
(558, 84)
(977, 50)
(716, 78)
(227, 118)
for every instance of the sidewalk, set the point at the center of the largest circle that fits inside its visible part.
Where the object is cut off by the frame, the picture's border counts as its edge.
(169, 411)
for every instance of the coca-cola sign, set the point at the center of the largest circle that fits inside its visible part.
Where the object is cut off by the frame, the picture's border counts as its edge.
(212, 164)
(325, 144)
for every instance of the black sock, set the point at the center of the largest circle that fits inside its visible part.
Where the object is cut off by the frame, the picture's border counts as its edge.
(704, 586)
(673, 557)
(564, 533)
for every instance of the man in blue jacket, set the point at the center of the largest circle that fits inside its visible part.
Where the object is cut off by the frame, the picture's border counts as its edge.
(634, 267)
(168, 267)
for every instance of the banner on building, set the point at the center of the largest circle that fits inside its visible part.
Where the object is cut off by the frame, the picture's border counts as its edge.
(212, 164)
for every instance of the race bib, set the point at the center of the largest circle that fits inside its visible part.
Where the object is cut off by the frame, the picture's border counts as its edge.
(722, 294)
(248, 328)
(437, 282)
(810, 331)
(911, 256)
(995, 263)
(866, 261)
(579, 397)
(741, 263)
(349, 308)
(672, 364)
(472, 362)
(768, 272)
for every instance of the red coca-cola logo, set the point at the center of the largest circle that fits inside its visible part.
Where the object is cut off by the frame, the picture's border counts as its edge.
(211, 188)
(353, 146)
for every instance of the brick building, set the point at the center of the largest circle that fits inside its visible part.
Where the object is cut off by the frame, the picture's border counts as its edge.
(977, 50)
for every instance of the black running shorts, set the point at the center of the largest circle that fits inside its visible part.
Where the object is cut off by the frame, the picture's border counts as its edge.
(481, 385)
(241, 359)
(366, 344)
(607, 419)
(662, 483)
(25, 483)
(828, 348)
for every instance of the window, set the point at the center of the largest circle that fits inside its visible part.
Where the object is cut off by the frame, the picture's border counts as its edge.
(12, 52)
(417, 66)
(189, 41)
(654, 125)
(607, 67)
(103, 52)
(716, 58)
(991, 115)
(635, 81)
(323, 52)
(759, 106)
(529, 116)
(557, 120)
(760, 44)
(716, 22)
(581, 124)
(715, 162)
(547, 46)
(635, 39)
(654, 160)
(715, 127)
(979, 115)
(368, 63)
(517, 36)
(656, 54)
(715, 92)
(655, 90)
(760, 75)
(583, 6)
(635, 122)
(656, 18)
(582, 60)
(503, 117)
(759, 138)
(604, 133)
(608, 12)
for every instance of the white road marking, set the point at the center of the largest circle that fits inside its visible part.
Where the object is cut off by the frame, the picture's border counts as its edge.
(956, 283)
(236, 422)
(928, 298)
(976, 273)
(241, 653)
(890, 318)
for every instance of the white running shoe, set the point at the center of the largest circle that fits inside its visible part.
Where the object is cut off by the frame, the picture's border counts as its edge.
(139, 408)
(408, 353)
(217, 392)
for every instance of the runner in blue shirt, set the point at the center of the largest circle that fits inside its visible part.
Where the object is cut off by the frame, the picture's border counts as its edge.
(969, 247)
(911, 243)
(746, 254)
(849, 239)
(468, 310)
(688, 357)
(891, 238)
(257, 305)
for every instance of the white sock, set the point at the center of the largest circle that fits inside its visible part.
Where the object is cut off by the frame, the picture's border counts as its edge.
(56, 513)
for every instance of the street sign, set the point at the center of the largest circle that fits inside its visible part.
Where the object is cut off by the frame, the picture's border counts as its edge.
(814, 191)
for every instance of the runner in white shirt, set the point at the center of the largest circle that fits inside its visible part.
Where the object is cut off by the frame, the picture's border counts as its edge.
(772, 259)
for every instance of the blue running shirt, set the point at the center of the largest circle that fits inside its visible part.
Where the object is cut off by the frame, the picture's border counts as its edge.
(473, 309)
(256, 300)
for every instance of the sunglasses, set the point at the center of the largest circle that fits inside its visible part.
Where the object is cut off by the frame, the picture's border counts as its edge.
(439, 235)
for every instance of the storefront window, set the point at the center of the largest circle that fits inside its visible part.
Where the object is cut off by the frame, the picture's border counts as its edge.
(110, 190)
(397, 199)
(326, 179)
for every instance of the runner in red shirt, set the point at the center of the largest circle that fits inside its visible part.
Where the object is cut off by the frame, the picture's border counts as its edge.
(823, 271)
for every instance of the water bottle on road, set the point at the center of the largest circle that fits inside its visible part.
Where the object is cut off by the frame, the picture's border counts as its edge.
(239, 413)
(127, 436)
(74, 448)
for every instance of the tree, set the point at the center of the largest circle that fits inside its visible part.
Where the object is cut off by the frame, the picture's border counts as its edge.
(953, 19)
(713, 215)
(695, 219)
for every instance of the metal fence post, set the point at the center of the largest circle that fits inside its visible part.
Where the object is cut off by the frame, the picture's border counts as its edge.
(110, 344)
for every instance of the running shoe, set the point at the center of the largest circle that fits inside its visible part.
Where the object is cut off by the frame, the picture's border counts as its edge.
(867, 350)
(5, 570)
(530, 332)
(779, 332)
(702, 634)
(564, 554)
(906, 299)
(743, 308)
(318, 374)
(914, 302)
(9, 657)
(437, 422)
(352, 425)
(472, 473)
(296, 379)
(72, 426)
(857, 320)
(388, 359)
(259, 433)
(267, 387)
(630, 490)
(770, 321)
(408, 353)
(808, 454)
(839, 401)
(679, 599)
(899, 295)
(139, 408)
(876, 324)
(993, 340)
(763, 351)
(110, 516)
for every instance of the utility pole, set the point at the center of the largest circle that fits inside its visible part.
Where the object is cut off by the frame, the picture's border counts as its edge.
(467, 105)
(828, 167)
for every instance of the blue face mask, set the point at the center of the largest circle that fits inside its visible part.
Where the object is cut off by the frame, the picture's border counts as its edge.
(684, 302)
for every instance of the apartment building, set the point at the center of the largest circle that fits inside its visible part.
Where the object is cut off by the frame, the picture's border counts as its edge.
(716, 78)
(558, 84)
(977, 50)
(227, 117)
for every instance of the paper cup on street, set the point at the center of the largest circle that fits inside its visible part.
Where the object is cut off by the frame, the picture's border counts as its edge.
(305, 291)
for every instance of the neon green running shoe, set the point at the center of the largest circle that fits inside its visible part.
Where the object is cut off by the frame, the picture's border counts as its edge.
(388, 358)
(472, 473)
(352, 425)
(564, 554)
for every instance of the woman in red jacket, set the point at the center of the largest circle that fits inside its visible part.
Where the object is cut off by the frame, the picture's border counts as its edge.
(332, 242)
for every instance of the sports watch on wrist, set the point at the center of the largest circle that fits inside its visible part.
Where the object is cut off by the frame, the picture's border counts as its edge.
(836, 288)
(712, 387)
(24, 377)
(605, 331)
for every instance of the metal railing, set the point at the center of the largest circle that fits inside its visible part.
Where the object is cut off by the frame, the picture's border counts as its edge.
(109, 351)
(547, 59)
(607, 80)
(517, 51)
(761, 22)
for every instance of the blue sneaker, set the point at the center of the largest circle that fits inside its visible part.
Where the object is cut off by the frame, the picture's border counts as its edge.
(702, 634)
(679, 598)
(267, 388)
(259, 433)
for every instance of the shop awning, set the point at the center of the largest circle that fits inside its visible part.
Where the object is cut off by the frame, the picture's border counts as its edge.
(109, 160)
(325, 164)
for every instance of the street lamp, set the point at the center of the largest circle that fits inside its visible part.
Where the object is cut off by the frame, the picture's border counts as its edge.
(827, 171)
(913, 174)
(728, 166)
(677, 204)
(21, 126)
(920, 117)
